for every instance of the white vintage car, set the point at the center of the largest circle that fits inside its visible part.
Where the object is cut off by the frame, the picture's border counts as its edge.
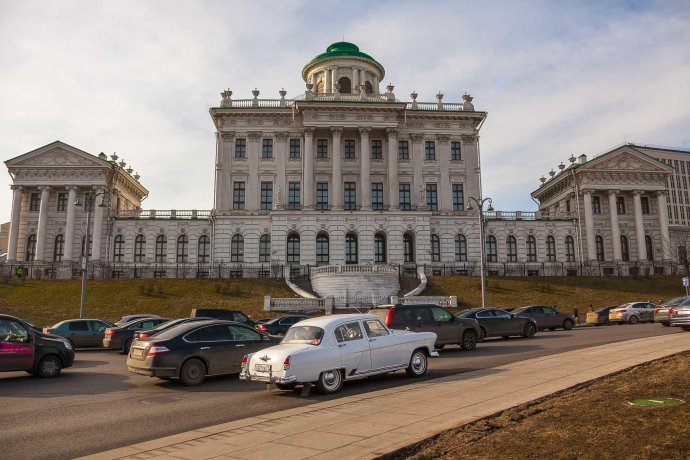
(331, 349)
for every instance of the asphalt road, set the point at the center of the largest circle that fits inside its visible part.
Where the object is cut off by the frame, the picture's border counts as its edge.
(97, 405)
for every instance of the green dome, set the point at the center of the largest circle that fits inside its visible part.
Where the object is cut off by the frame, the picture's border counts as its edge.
(341, 49)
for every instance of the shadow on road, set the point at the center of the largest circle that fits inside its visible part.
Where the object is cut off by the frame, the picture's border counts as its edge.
(86, 363)
(67, 384)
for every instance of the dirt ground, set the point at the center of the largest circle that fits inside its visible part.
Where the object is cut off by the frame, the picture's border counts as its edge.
(592, 421)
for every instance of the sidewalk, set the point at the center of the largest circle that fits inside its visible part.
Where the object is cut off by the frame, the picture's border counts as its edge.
(371, 424)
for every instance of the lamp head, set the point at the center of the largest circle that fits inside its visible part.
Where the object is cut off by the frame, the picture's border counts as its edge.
(470, 207)
(78, 203)
(490, 208)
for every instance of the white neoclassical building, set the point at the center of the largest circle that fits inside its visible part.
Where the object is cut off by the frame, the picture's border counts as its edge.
(344, 175)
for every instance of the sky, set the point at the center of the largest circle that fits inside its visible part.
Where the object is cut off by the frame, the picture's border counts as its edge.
(557, 78)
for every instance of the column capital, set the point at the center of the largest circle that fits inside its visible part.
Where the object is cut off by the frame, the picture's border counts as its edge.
(226, 136)
(70, 187)
(417, 137)
(468, 138)
(364, 131)
(254, 135)
(43, 187)
(336, 131)
(308, 132)
(281, 136)
(444, 138)
(637, 192)
(392, 132)
(613, 192)
(660, 193)
(16, 187)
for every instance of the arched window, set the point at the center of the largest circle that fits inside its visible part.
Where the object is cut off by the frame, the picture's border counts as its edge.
(59, 249)
(650, 247)
(435, 248)
(625, 250)
(83, 245)
(204, 250)
(599, 242)
(161, 249)
(550, 248)
(380, 256)
(531, 249)
(491, 249)
(408, 247)
(460, 248)
(182, 249)
(119, 249)
(322, 249)
(569, 249)
(139, 248)
(351, 249)
(265, 248)
(237, 248)
(319, 87)
(293, 248)
(368, 88)
(31, 248)
(511, 248)
(345, 85)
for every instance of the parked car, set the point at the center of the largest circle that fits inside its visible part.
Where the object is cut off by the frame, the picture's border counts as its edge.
(128, 318)
(23, 348)
(226, 315)
(494, 322)
(600, 316)
(661, 312)
(280, 325)
(448, 328)
(146, 333)
(193, 350)
(120, 337)
(632, 313)
(80, 332)
(330, 350)
(547, 317)
(680, 316)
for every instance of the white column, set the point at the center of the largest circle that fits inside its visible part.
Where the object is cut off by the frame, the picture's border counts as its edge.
(14, 225)
(615, 229)
(69, 232)
(334, 78)
(329, 81)
(589, 226)
(308, 174)
(365, 169)
(639, 227)
(663, 225)
(314, 81)
(252, 186)
(282, 154)
(445, 194)
(355, 79)
(337, 175)
(393, 182)
(417, 166)
(42, 224)
(97, 226)
(375, 84)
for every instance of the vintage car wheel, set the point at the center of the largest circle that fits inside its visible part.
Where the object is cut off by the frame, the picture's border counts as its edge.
(469, 340)
(49, 366)
(666, 324)
(330, 382)
(418, 364)
(568, 325)
(529, 330)
(633, 320)
(193, 372)
(482, 335)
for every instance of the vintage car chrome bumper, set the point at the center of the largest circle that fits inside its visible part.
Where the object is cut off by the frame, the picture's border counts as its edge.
(270, 378)
(680, 320)
(434, 354)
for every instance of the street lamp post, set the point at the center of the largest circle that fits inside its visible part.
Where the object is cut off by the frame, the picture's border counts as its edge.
(479, 202)
(90, 199)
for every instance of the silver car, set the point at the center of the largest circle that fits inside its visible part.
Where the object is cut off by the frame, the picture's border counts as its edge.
(680, 316)
(632, 313)
(661, 312)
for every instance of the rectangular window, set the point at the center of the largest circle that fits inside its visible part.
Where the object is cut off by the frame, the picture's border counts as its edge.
(62, 202)
(88, 202)
(295, 148)
(404, 197)
(267, 196)
(644, 201)
(35, 202)
(267, 148)
(322, 148)
(429, 150)
(431, 197)
(238, 195)
(596, 205)
(294, 196)
(376, 150)
(458, 199)
(350, 196)
(322, 195)
(349, 149)
(455, 154)
(377, 196)
(240, 148)
(403, 150)
(620, 205)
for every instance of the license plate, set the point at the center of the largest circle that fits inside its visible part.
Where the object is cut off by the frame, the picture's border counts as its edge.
(137, 352)
(262, 367)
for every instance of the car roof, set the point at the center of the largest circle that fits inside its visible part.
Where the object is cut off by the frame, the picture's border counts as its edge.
(183, 328)
(324, 321)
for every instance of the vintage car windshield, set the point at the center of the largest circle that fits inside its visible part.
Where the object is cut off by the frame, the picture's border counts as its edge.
(310, 335)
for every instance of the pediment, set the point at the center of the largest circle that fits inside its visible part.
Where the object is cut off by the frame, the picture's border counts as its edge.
(626, 160)
(56, 154)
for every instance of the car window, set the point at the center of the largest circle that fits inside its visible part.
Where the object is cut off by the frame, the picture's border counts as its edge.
(485, 314)
(375, 328)
(78, 326)
(419, 314)
(550, 311)
(441, 314)
(239, 317)
(348, 332)
(310, 335)
(97, 326)
(501, 314)
(214, 333)
(11, 331)
(243, 333)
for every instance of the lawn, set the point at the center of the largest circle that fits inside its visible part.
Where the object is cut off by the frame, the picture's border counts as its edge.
(592, 421)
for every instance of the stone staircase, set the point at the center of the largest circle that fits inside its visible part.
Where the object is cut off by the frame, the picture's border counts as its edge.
(304, 282)
(356, 284)
(407, 284)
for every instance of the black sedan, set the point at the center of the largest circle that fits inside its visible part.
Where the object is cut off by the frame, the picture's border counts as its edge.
(120, 337)
(191, 351)
(494, 322)
(280, 325)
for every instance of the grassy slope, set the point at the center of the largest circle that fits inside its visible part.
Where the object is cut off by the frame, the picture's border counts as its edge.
(47, 302)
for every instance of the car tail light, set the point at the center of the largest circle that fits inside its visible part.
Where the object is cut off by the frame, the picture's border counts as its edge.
(46, 330)
(261, 327)
(143, 335)
(656, 310)
(671, 311)
(157, 350)
(109, 333)
(286, 363)
(389, 317)
(245, 360)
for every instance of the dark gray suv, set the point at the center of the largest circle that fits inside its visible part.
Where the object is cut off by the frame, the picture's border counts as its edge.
(449, 329)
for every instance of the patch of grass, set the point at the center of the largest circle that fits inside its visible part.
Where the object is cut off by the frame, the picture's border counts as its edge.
(593, 421)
